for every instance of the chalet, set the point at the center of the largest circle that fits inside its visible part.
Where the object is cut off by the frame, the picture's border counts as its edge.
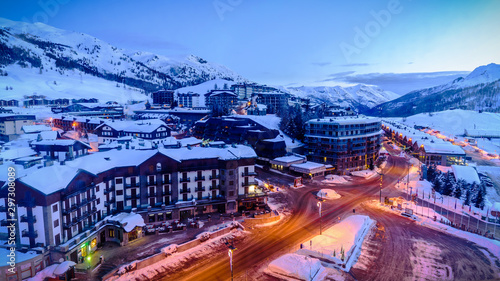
(61, 150)
(153, 129)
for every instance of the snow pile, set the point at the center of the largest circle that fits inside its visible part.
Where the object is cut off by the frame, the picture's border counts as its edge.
(47, 272)
(328, 194)
(331, 179)
(364, 174)
(295, 266)
(339, 243)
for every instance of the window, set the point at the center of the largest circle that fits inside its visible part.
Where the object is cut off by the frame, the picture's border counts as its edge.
(231, 172)
(97, 189)
(56, 223)
(54, 208)
(118, 180)
(152, 218)
(231, 193)
(119, 192)
(111, 233)
(98, 201)
(231, 183)
(159, 216)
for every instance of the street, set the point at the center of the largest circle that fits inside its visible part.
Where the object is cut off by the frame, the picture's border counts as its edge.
(395, 244)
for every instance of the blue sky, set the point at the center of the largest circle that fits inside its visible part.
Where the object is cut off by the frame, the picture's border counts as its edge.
(387, 43)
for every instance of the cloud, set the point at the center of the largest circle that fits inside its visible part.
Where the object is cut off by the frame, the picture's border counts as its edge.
(321, 63)
(356, 64)
(400, 83)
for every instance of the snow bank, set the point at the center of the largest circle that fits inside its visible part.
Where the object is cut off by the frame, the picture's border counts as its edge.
(334, 179)
(328, 194)
(295, 266)
(339, 243)
(364, 174)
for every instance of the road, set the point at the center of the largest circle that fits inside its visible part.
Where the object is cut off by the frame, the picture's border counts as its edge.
(400, 249)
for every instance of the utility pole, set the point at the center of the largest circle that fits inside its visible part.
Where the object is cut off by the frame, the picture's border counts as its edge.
(380, 187)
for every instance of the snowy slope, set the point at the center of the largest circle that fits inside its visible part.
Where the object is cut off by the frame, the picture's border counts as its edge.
(454, 122)
(73, 59)
(480, 90)
(359, 97)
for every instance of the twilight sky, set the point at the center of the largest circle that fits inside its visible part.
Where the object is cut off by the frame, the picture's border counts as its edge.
(398, 45)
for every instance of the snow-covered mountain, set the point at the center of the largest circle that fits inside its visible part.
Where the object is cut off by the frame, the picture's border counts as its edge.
(480, 90)
(58, 63)
(360, 97)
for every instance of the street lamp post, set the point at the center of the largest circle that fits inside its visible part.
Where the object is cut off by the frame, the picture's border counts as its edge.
(320, 222)
(380, 187)
(230, 253)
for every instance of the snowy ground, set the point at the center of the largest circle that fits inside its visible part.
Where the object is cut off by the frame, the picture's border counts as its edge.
(328, 194)
(296, 266)
(422, 219)
(340, 244)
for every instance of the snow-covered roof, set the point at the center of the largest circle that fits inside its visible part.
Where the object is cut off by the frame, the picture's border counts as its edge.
(29, 129)
(308, 167)
(63, 267)
(226, 153)
(128, 220)
(54, 178)
(346, 120)
(288, 159)
(50, 179)
(142, 126)
(467, 173)
(15, 153)
(278, 138)
(183, 142)
(443, 148)
(20, 256)
(61, 143)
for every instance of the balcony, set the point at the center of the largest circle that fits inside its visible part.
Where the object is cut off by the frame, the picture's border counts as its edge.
(66, 226)
(108, 190)
(184, 180)
(248, 183)
(30, 234)
(202, 178)
(25, 218)
(132, 196)
(168, 192)
(185, 190)
(212, 177)
(168, 181)
(248, 174)
(201, 188)
(131, 185)
(215, 187)
(151, 194)
(152, 182)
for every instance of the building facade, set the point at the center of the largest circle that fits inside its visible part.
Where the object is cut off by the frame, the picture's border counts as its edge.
(11, 125)
(346, 143)
(163, 97)
(273, 100)
(65, 208)
(188, 99)
(246, 90)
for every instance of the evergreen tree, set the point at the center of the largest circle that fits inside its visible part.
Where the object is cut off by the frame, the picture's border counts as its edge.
(457, 193)
(437, 184)
(467, 197)
(448, 186)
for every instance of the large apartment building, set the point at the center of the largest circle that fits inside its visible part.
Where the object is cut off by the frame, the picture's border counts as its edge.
(347, 143)
(65, 208)
(11, 125)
